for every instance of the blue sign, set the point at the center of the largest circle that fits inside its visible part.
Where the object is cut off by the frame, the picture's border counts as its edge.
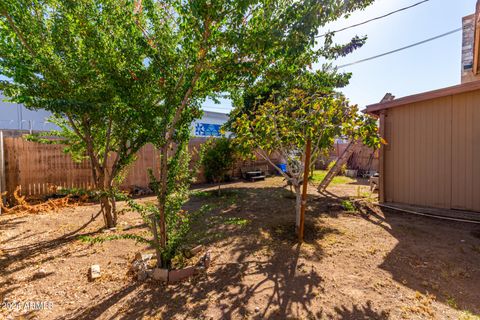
(207, 130)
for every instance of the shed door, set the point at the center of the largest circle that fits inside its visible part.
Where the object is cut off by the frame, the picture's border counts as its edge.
(466, 151)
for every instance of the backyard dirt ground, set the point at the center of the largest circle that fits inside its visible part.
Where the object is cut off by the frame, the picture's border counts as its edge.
(367, 264)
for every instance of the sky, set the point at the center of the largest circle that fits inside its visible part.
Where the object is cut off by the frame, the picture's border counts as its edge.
(430, 66)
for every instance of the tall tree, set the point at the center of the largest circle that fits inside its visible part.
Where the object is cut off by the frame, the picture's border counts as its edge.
(95, 54)
(284, 125)
(204, 48)
(85, 62)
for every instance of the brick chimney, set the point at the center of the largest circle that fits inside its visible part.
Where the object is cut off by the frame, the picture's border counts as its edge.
(471, 46)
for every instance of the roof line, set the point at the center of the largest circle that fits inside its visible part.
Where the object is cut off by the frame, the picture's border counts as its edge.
(218, 112)
(448, 91)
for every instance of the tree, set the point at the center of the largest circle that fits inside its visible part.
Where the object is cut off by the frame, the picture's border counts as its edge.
(73, 59)
(286, 124)
(160, 58)
(218, 157)
(205, 48)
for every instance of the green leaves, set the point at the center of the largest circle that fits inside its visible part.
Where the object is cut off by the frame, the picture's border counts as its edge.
(285, 122)
(218, 157)
(123, 73)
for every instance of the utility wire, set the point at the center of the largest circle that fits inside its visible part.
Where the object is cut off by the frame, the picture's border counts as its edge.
(373, 19)
(400, 49)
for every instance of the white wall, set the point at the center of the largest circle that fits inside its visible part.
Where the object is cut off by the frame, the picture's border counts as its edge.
(16, 116)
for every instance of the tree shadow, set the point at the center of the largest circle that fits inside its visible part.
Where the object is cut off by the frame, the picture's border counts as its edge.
(10, 222)
(432, 256)
(360, 312)
(267, 274)
(29, 251)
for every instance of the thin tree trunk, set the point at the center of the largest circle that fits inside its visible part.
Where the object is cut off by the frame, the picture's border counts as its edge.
(298, 205)
(162, 196)
(107, 200)
(107, 211)
(156, 241)
(114, 209)
(102, 182)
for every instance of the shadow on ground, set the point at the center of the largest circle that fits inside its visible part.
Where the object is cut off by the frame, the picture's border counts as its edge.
(264, 278)
(433, 256)
(26, 253)
(265, 272)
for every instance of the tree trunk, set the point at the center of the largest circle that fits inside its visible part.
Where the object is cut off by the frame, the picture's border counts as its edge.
(108, 211)
(107, 200)
(162, 196)
(156, 241)
(102, 184)
(298, 205)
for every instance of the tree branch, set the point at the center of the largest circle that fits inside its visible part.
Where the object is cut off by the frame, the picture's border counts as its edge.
(107, 142)
(18, 32)
(267, 158)
(198, 69)
(90, 151)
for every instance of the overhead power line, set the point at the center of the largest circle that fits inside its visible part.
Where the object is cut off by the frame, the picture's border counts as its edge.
(373, 19)
(400, 49)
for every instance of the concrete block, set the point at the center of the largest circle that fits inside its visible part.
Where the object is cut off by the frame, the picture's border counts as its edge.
(94, 272)
(181, 274)
(160, 274)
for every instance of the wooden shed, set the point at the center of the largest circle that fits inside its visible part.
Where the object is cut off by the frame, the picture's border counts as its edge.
(432, 158)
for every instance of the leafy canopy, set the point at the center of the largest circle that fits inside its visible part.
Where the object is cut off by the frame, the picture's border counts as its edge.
(286, 125)
(218, 159)
(85, 62)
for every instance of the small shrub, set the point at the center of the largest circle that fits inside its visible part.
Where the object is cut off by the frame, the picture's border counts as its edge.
(178, 222)
(218, 157)
(348, 206)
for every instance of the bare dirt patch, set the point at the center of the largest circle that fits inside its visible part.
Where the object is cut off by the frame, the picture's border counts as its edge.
(371, 265)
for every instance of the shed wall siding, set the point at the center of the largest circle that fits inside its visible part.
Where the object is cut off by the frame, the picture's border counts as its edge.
(433, 153)
(466, 151)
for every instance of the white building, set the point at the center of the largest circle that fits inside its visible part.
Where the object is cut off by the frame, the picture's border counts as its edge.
(16, 117)
(209, 125)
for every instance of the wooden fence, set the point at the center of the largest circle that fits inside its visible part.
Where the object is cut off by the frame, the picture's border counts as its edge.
(37, 169)
(363, 159)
